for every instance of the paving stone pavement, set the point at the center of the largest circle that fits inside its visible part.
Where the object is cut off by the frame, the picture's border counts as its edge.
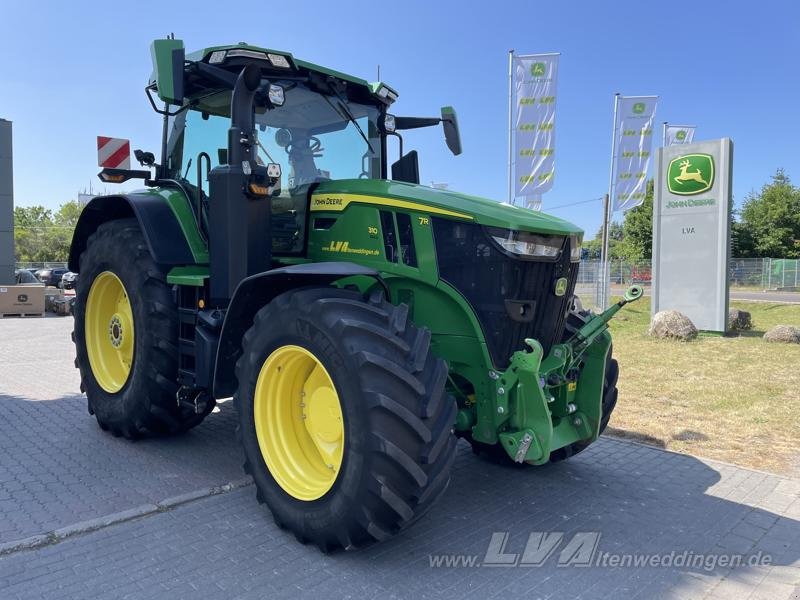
(57, 467)
(616, 500)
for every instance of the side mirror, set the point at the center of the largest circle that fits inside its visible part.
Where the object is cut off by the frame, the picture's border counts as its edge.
(450, 125)
(168, 57)
(406, 168)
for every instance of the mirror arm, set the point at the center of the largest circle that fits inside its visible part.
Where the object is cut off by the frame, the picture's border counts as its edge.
(416, 122)
(148, 90)
(399, 137)
(220, 76)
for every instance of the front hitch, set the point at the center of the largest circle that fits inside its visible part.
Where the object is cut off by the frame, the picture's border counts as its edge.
(546, 403)
(595, 326)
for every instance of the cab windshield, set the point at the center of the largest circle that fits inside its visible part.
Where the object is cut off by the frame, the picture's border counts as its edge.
(311, 136)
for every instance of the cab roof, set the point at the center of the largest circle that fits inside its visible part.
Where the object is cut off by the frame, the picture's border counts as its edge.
(236, 55)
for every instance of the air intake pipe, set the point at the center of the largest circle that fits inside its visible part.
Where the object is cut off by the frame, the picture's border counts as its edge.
(240, 142)
(239, 223)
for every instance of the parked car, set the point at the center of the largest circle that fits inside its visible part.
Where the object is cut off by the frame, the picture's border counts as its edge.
(51, 276)
(69, 280)
(25, 277)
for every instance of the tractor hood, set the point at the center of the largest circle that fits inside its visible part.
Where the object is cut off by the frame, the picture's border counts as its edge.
(454, 204)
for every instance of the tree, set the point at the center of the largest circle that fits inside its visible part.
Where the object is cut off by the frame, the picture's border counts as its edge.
(637, 229)
(43, 236)
(595, 246)
(742, 241)
(771, 219)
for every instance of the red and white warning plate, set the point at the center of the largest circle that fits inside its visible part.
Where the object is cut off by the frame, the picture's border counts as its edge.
(113, 153)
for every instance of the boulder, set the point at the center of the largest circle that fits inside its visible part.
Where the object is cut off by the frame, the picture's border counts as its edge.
(671, 324)
(739, 320)
(788, 334)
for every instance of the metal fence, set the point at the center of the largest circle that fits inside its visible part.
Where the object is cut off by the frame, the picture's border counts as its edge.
(761, 273)
(781, 274)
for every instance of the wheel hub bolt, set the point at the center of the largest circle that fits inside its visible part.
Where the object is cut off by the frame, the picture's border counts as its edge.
(115, 331)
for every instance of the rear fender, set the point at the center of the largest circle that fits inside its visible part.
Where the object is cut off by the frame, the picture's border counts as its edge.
(162, 230)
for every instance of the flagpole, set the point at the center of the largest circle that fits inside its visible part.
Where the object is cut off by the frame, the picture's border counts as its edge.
(603, 295)
(510, 124)
(664, 137)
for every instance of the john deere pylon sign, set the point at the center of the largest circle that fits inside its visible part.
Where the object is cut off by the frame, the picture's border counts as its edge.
(690, 174)
(691, 231)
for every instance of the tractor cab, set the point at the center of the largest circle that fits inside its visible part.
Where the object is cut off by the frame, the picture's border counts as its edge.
(311, 125)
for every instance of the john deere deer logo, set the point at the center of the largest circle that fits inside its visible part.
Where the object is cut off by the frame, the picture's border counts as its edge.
(537, 69)
(681, 135)
(638, 108)
(690, 174)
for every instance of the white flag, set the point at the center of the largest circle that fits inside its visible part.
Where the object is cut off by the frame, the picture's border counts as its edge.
(679, 134)
(634, 144)
(535, 78)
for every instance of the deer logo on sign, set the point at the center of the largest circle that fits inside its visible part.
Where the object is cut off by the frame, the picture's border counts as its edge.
(687, 176)
(690, 174)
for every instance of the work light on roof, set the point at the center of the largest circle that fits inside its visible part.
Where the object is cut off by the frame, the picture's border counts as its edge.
(278, 60)
(217, 57)
(245, 53)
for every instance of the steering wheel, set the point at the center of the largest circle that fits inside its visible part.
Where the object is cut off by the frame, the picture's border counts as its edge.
(314, 147)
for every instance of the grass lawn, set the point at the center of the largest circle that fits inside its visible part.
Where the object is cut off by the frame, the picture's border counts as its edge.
(735, 399)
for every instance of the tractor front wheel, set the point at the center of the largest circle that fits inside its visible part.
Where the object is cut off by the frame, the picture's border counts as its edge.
(345, 423)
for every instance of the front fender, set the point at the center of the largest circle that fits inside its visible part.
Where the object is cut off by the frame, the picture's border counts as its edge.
(257, 291)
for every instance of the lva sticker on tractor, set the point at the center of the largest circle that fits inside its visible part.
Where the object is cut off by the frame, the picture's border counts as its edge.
(690, 174)
(561, 286)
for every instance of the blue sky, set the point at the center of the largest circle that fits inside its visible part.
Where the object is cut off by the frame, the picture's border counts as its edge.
(74, 70)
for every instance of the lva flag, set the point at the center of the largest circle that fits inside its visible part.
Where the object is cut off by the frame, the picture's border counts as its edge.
(535, 78)
(633, 132)
(679, 134)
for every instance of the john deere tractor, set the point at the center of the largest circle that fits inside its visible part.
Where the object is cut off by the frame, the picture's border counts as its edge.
(361, 322)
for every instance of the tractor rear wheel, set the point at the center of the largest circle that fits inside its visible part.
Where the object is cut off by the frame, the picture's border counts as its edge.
(344, 420)
(126, 336)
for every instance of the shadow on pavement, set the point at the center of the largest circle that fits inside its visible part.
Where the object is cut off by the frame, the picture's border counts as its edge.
(622, 499)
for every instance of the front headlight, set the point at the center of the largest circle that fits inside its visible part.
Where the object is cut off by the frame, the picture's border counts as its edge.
(575, 241)
(528, 245)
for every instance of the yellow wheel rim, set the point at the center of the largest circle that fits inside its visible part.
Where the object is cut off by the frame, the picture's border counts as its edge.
(109, 332)
(299, 422)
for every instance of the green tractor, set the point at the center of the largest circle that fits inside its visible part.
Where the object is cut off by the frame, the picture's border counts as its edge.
(361, 322)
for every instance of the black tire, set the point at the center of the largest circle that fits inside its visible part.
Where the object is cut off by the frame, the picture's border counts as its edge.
(146, 404)
(398, 420)
(496, 453)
